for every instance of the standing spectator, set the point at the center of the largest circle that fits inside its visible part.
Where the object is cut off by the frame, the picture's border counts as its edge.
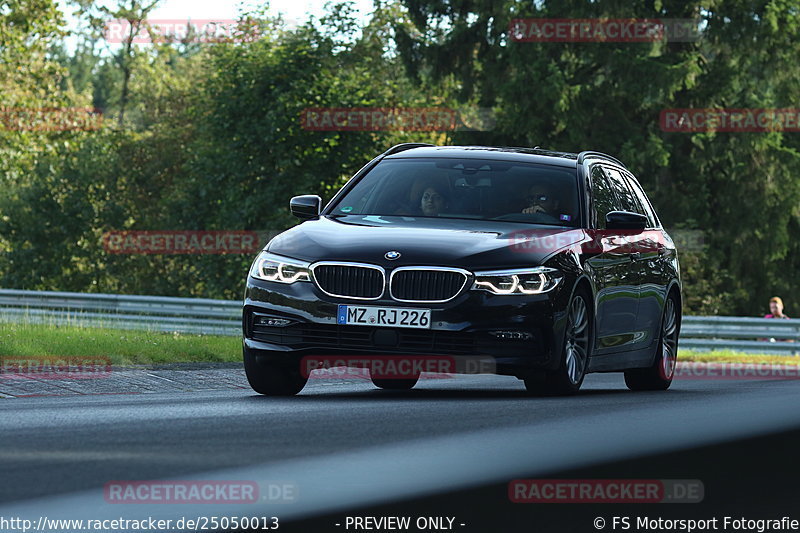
(775, 308)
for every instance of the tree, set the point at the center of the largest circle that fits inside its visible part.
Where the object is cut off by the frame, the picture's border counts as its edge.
(739, 188)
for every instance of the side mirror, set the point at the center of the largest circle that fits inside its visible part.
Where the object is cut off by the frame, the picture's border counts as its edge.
(306, 206)
(625, 220)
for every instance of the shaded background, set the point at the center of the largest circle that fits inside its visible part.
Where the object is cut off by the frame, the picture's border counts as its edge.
(200, 135)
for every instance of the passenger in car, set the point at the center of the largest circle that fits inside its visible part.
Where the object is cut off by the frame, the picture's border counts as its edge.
(433, 201)
(427, 197)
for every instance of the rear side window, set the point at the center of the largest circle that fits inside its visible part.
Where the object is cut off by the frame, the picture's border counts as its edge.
(603, 197)
(627, 199)
(652, 221)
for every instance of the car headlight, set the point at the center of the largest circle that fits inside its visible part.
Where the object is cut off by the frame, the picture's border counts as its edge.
(271, 267)
(518, 281)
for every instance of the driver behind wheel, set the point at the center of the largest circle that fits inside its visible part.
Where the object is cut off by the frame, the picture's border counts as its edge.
(540, 199)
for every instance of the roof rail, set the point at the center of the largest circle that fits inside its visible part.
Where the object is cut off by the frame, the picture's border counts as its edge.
(402, 147)
(590, 153)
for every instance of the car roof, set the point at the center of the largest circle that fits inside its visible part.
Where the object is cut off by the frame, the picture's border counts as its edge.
(499, 153)
(530, 155)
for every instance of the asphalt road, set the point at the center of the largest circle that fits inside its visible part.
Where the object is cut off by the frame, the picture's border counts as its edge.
(346, 446)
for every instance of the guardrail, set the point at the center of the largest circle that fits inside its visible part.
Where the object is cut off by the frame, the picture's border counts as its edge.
(223, 317)
(744, 334)
(155, 313)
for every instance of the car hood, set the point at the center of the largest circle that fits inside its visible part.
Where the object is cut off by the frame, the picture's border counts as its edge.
(424, 241)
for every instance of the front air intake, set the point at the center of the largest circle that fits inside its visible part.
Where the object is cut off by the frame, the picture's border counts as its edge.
(344, 280)
(427, 284)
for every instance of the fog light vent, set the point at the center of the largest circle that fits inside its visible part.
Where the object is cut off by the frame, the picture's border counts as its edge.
(271, 321)
(512, 335)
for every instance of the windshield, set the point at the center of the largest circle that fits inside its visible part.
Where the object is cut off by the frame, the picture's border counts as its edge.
(466, 188)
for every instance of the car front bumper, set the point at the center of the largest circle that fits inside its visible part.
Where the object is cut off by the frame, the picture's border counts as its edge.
(475, 324)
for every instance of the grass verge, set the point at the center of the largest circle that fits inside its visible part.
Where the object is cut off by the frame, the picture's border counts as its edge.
(123, 347)
(130, 347)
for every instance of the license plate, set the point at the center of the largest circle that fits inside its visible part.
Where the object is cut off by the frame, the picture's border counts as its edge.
(395, 317)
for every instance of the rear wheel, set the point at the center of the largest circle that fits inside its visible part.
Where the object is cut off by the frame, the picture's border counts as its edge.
(575, 353)
(271, 379)
(659, 375)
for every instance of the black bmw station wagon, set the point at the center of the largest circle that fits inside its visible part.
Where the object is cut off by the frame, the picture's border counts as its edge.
(548, 265)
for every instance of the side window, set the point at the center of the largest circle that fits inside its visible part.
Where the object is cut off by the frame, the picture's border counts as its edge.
(627, 200)
(652, 221)
(603, 197)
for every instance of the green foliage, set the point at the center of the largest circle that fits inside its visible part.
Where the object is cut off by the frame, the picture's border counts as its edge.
(212, 137)
(741, 189)
(212, 140)
(121, 347)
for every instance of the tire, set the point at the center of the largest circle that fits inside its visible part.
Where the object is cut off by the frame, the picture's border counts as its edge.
(270, 379)
(575, 352)
(394, 384)
(659, 375)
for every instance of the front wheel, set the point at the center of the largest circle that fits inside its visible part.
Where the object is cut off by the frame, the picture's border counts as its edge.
(659, 375)
(575, 353)
(270, 379)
